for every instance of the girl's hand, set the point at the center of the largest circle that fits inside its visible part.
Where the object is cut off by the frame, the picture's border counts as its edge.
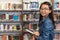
(36, 33)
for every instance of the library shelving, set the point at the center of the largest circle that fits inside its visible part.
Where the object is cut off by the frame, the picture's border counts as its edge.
(20, 18)
(11, 20)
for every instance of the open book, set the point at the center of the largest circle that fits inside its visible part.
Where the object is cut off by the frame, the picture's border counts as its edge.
(30, 31)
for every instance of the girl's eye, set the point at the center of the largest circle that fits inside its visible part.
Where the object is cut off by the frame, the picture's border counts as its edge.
(44, 9)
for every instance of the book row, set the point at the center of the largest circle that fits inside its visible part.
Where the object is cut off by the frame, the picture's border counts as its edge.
(31, 26)
(10, 17)
(9, 37)
(18, 6)
(31, 5)
(17, 16)
(31, 17)
(10, 6)
(10, 27)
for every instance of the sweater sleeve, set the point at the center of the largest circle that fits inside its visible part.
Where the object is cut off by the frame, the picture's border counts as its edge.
(47, 29)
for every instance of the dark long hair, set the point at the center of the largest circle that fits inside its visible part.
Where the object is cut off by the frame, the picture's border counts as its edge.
(50, 14)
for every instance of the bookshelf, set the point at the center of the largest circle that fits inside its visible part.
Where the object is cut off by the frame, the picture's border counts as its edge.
(11, 20)
(56, 8)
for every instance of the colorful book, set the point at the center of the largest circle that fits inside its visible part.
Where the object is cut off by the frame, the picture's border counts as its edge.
(18, 27)
(3, 17)
(7, 16)
(15, 17)
(4, 37)
(30, 26)
(19, 17)
(16, 38)
(56, 6)
(2, 27)
(11, 37)
(6, 27)
(34, 5)
(0, 37)
(17, 6)
(0, 6)
(10, 27)
(0, 17)
(14, 27)
(10, 17)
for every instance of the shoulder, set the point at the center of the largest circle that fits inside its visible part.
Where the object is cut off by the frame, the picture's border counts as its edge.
(48, 24)
(48, 20)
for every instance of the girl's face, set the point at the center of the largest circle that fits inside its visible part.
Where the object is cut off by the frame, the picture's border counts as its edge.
(44, 11)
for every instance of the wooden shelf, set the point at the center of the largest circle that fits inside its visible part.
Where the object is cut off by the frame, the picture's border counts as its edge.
(11, 32)
(33, 22)
(10, 10)
(19, 10)
(56, 10)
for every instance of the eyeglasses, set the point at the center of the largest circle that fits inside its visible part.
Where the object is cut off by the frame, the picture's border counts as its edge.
(44, 9)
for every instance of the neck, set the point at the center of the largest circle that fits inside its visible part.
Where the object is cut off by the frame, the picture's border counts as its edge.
(45, 17)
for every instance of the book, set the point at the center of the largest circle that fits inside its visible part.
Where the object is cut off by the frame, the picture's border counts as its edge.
(8, 6)
(58, 26)
(30, 31)
(30, 17)
(0, 37)
(10, 27)
(15, 17)
(7, 37)
(11, 6)
(17, 6)
(7, 16)
(6, 27)
(19, 17)
(10, 16)
(4, 37)
(0, 6)
(26, 26)
(34, 5)
(4, 6)
(30, 26)
(34, 26)
(15, 37)
(25, 17)
(26, 6)
(14, 27)
(3, 16)
(25, 37)
(0, 17)
(18, 27)
(2, 27)
(56, 6)
(10, 37)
